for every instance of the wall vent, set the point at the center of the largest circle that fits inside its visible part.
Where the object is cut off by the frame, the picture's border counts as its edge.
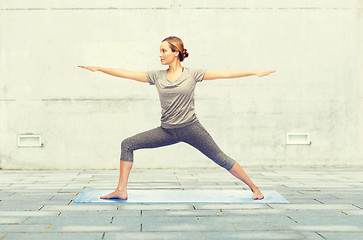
(298, 138)
(29, 141)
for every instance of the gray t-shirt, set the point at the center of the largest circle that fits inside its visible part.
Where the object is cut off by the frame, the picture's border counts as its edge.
(176, 97)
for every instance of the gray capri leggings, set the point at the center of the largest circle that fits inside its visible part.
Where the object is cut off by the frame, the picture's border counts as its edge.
(193, 134)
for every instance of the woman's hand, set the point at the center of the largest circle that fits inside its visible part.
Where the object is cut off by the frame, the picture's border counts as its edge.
(93, 69)
(264, 73)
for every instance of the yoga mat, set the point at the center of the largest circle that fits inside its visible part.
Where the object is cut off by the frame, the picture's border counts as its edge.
(181, 196)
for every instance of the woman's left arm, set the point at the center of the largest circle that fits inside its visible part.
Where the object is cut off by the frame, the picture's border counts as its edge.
(223, 74)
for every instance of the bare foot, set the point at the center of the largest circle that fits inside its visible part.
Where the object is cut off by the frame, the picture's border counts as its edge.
(257, 194)
(116, 194)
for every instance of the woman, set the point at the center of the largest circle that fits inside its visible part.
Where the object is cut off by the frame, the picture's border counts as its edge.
(178, 121)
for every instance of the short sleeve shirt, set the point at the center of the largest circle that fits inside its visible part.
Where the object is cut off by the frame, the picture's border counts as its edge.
(176, 97)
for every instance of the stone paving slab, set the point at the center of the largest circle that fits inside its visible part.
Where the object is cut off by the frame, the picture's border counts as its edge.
(108, 213)
(40, 220)
(327, 228)
(54, 236)
(229, 206)
(16, 213)
(255, 220)
(21, 228)
(39, 205)
(156, 207)
(345, 235)
(195, 213)
(184, 235)
(12, 220)
(93, 228)
(278, 235)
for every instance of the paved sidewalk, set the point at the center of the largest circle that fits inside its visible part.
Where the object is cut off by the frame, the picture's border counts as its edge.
(325, 203)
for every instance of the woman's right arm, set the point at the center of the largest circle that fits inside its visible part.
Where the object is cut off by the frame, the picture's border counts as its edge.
(122, 73)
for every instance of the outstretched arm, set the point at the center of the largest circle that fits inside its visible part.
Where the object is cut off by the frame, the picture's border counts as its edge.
(122, 73)
(222, 74)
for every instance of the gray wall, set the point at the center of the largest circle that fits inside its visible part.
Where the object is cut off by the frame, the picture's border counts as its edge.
(316, 47)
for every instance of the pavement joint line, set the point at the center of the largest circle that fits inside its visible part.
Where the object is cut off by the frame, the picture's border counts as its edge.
(234, 227)
(333, 196)
(51, 197)
(320, 235)
(268, 205)
(60, 213)
(318, 201)
(1, 238)
(178, 180)
(48, 228)
(222, 212)
(304, 237)
(343, 212)
(357, 207)
(292, 219)
(25, 220)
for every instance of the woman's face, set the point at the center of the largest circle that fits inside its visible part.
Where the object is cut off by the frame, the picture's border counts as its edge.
(167, 56)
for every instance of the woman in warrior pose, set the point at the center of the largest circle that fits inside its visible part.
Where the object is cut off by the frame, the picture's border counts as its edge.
(178, 121)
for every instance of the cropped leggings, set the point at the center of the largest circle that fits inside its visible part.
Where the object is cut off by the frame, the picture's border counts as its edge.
(193, 134)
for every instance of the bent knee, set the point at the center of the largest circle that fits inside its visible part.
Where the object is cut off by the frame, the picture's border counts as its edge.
(126, 144)
(127, 150)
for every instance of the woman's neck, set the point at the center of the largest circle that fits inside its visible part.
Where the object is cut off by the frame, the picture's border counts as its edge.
(174, 67)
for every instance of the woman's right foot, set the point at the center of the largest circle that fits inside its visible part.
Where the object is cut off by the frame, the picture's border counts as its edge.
(117, 194)
(257, 194)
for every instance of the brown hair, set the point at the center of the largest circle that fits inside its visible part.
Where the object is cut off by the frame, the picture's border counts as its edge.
(176, 44)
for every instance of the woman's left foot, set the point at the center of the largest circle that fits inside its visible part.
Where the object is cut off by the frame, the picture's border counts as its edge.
(116, 194)
(257, 194)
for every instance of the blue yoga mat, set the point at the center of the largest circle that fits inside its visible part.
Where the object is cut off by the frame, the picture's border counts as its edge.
(181, 196)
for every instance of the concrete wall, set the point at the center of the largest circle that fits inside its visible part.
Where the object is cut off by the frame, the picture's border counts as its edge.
(316, 46)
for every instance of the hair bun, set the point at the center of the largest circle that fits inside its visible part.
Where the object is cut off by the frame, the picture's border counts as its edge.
(185, 53)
